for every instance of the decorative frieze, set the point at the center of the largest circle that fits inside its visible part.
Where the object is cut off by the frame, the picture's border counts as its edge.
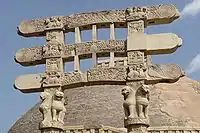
(135, 57)
(107, 74)
(136, 13)
(159, 14)
(71, 78)
(53, 23)
(137, 72)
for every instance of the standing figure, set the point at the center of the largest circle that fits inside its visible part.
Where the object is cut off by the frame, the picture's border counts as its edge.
(45, 107)
(58, 108)
(142, 101)
(129, 102)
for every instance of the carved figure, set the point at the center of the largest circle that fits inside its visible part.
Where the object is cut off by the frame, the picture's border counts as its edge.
(129, 102)
(45, 107)
(142, 101)
(53, 22)
(137, 71)
(136, 12)
(136, 101)
(52, 50)
(58, 108)
(51, 78)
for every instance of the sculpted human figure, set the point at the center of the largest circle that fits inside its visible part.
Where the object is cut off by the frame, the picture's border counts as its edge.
(45, 107)
(58, 108)
(129, 102)
(142, 101)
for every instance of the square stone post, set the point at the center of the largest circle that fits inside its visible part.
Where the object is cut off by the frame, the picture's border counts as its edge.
(136, 117)
(52, 106)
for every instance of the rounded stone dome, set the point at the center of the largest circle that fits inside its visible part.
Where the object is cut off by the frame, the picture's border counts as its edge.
(171, 104)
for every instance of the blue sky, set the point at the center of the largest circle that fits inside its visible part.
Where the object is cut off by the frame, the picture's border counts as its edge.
(14, 104)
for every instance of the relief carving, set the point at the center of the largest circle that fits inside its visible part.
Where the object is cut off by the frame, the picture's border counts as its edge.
(52, 108)
(100, 47)
(129, 102)
(136, 13)
(142, 101)
(53, 64)
(54, 45)
(27, 56)
(54, 23)
(136, 102)
(45, 108)
(137, 72)
(51, 78)
(107, 74)
(58, 108)
(136, 26)
(169, 72)
(74, 78)
(135, 57)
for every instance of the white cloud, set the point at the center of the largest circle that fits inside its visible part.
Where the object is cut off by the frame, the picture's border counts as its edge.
(194, 65)
(192, 8)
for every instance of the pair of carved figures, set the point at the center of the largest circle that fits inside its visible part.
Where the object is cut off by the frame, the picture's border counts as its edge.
(137, 71)
(136, 101)
(52, 107)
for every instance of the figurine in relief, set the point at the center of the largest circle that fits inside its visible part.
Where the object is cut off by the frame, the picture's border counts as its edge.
(53, 22)
(129, 102)
(58, 108)
(45, 107)
(142, 101)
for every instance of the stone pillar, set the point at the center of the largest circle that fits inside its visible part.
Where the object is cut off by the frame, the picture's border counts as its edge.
(52, 105)
(136, 117)
(112, 37)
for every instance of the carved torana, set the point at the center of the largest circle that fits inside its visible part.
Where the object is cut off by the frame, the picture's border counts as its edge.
(127, 63)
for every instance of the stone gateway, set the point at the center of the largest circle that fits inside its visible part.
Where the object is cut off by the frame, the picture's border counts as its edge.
(92, 101)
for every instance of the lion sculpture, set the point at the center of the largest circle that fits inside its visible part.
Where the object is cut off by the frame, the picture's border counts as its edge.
(45, 107)
(58, 108)
(135, 101)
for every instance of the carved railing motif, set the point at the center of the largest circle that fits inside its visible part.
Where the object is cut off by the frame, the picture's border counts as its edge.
(108, 129)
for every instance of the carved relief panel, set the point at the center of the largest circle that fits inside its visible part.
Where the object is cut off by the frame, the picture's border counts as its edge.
(136, 26)
(135, 57)
(136, 13)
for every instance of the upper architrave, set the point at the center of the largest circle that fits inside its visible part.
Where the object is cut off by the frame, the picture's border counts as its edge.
(153, 15)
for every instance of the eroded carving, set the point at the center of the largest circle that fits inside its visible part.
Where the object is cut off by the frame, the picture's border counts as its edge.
(136, 26)
(53, 64)
(58, 108)
(107, 74)
(74, 78)
(169, 72)
(135, 57)
(163, 14)
(54, 23)
(142, 101)
(51, 78)
(136, 13)
(29, 56)
(129, 102)
(136, 101)
(137, 72)
(45, 108)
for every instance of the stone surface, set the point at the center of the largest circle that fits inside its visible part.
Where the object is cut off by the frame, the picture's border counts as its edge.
(171, 104)
(155, 43)
(118, 75)
(159, 14)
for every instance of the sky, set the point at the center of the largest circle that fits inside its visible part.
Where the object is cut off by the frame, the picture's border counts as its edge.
(14, 103)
